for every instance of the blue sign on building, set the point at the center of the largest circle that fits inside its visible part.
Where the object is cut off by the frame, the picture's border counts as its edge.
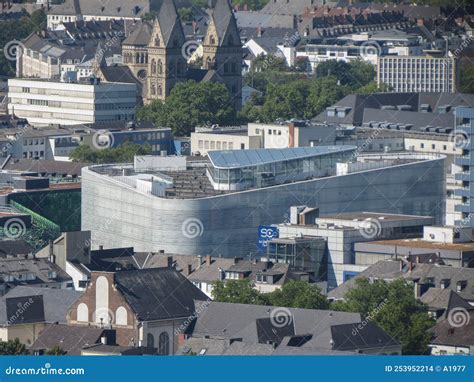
(266, 233)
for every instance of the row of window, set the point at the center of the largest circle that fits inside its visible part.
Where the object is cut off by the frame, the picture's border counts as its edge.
(218, 145)
(35, 141)
(33, 154)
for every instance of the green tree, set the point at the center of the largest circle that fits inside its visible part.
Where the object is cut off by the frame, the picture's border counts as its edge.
(191, 104)
(394, 308)
(299, 294)
(14, 31)
(121, 154)
(56, 350)
(12, 347)
(354, 74)
(467, 79)
(237, 292)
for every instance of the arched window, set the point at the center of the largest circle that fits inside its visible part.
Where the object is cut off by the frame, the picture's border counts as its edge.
(212, 40)
(153, 66)
(160, 90)
(121, 316)
(164, 344)
(159, 67)
(82, 312)
(208, 63)
(153, 89)
(137, 58)
(157, 41)
(150, 340)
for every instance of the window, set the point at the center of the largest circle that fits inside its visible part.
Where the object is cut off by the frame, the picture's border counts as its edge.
(433, 146)
(422, 145)
(200, 144)
(164, 344)
(150, 340)
(242, 146)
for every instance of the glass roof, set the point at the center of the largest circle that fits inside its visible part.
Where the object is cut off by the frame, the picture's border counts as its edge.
(226, 159)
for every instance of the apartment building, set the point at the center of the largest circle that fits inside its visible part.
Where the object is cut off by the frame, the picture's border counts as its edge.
(47, 102)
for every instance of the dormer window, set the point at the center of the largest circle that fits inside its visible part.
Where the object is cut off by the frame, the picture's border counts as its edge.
(460, 285)
(212, 40)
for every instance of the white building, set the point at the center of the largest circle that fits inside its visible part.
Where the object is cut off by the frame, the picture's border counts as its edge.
(334, 258)
(427, 73)
(47, 102)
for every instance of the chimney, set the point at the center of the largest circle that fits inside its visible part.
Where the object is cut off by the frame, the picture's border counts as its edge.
(170, 261)
(101, 247)
(51, 252)
(208, 260)
(259, 32)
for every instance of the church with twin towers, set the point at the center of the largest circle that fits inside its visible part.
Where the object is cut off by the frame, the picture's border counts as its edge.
(155, 52)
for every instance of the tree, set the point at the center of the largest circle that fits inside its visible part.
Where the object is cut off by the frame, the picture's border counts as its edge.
(237, 292)
(467, 79)
(299, 294)
(12, 347)
(394, 308)
(56, 350)
(191, 104)
(124, 153)
(355, 74)
(14, 31)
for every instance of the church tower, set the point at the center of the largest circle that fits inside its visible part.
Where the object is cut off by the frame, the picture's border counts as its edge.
(166, 63)
(222, 49)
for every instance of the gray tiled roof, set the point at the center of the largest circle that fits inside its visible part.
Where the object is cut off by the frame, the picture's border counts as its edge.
(390, 270)
(306, 328)
(158, 294)
(140, 34)
(224, 20)
(70, 339)
(170, 23)
(56, 301)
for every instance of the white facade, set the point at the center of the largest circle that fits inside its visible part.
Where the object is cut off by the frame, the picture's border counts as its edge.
(47, 102)
(417, 73)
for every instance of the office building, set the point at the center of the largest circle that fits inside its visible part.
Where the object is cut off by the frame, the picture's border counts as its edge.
(463, 135)
(428, 73)
(47, 102)
(213, 206)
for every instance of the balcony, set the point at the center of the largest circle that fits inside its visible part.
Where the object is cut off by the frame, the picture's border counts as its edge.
(463, 161)
(463, 192)
(463, 207)
(463, 176)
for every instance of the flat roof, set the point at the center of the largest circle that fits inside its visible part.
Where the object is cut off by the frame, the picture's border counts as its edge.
(353, 216)
(228, 159)
(420, 243)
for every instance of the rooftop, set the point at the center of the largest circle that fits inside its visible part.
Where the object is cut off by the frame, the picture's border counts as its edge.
(254, 157)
